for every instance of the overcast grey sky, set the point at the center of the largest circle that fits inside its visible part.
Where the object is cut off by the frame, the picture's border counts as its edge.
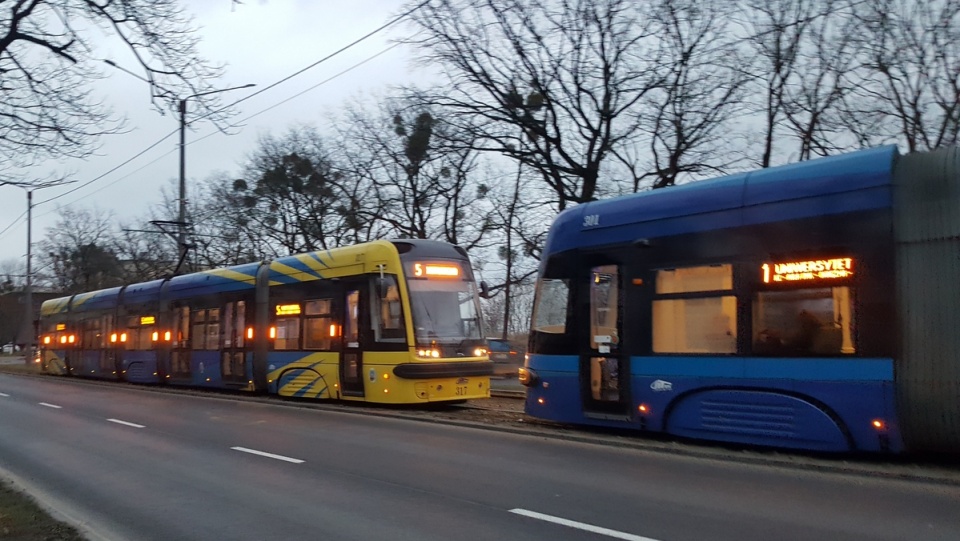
(262, 42)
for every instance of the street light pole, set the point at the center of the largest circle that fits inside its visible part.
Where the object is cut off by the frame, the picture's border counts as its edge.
(182, 212)
(27, 330)
(28, 293)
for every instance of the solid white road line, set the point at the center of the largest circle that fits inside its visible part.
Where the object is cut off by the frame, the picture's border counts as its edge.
(581, 526)
(125, 423)
(268, 455)
(54, 406)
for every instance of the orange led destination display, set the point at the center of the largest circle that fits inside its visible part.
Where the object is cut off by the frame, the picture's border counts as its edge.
(814, 269)
(436, 270)
(288, 309)
(147, 320)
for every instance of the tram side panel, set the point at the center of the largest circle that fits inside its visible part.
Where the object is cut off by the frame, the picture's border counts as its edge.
(927, 228)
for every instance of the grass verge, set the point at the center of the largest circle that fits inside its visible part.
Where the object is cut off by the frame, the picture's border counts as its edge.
(21, 519)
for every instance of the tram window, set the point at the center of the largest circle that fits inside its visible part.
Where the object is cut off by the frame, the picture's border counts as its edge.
(604, 286)
(144, 336)
(213, 329)
(228, 326)
(815, 321)
(704, 325)
(386, 311)
(205, 332)
(695, 324)
(182, 326)
(319, 328)
(288, 333)
(351, 327)
(198, 318)
(91, 334)
(240, 323)
(695, 279)
(550, 308)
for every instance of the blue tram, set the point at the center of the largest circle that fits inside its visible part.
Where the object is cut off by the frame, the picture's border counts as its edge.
(392, 322)
(810, 306)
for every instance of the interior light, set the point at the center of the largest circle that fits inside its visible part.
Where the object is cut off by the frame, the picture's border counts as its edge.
(46, 339)
(249, 333)
(63, 339)
(123, 337)
(273, 333)
(333, 330)
(167, 336)
(155, 336)
(72, 338)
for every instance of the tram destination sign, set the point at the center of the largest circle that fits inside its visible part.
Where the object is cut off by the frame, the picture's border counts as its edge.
(809, 270)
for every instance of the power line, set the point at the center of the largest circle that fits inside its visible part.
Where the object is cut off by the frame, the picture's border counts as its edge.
(273, 85)
(15, 222)
(91, 181)
(359, 40)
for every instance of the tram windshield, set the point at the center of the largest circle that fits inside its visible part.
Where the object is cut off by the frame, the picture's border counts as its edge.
(445, 311)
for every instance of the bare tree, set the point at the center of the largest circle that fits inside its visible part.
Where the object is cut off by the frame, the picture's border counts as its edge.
(77, 254)
(422, 171)
(689, 115)
(908, 89)
(552, 84)
(805, 65)
(296, 196)
(48, 61)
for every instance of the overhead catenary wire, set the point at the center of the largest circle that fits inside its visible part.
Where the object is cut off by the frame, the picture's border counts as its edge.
(326, 58)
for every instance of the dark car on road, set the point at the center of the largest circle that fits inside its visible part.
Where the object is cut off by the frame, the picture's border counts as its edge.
(502, 351)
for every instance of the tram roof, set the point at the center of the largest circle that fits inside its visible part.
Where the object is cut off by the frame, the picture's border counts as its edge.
(850, 182)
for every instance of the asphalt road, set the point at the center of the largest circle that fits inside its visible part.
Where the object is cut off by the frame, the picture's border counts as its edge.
(128, 463)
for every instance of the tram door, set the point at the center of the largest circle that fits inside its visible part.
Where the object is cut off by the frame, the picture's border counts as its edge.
(351, 363)
(108, 349)
(233, 365)
(604, 369)
(180, 352)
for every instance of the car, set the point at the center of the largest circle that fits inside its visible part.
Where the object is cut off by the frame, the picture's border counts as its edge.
(501, 350)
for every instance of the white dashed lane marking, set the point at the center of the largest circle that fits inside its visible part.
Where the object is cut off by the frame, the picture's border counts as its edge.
(268, 455)
(125, 423)
(54, 406)
(581, 526)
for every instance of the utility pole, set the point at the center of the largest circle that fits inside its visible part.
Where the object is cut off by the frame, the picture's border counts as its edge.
(182, 211)
(181, 222)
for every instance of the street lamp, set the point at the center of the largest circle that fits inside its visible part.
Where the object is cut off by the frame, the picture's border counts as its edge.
(27, 331)
(182, 217)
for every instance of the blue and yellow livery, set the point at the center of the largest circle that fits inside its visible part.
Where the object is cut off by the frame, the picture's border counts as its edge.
(387, 321)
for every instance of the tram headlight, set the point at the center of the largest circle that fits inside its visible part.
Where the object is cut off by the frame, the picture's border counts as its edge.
(527, 376)
(428, 353)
